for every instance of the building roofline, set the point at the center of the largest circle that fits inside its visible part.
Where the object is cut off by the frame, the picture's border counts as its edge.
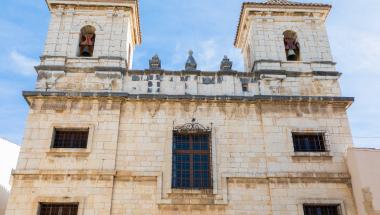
(347, 101)
(272, 5)
(364, 149)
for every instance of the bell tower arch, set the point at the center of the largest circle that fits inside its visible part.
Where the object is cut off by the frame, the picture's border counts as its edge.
(284, 35)
(96, 31)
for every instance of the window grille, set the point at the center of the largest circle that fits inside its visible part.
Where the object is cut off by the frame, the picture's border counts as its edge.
(58, 209)
(322, 210)
(191, 158)
(64, 138)
(309, 142)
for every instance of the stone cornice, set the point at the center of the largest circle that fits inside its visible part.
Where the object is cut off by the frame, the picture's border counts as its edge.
(133, 5)
(274, 177)
(347, 101)
(247, 7)
(184, 72)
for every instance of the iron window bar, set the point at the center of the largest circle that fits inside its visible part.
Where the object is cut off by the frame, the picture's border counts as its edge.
(70, 138)
(58, 209)
(322, 209)
(192, 157)
(309, 142)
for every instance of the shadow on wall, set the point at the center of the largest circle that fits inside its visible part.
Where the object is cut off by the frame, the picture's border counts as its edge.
(4, 194)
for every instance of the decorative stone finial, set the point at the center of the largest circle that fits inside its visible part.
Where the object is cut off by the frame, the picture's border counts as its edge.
(191, 64)
(155, 62)
(226, 64)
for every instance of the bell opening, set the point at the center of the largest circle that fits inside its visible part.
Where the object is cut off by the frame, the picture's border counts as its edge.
(87, 41)
(86, 52)
(292, 46)
(291, 55)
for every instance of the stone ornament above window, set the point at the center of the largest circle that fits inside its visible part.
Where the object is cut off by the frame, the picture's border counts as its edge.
(192, 127)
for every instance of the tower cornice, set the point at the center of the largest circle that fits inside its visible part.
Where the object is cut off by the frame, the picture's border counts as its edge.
(132, 5)
(276, 7)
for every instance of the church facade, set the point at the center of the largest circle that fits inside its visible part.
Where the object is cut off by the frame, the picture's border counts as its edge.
(102, 138)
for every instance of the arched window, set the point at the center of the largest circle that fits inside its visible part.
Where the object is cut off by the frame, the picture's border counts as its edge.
(292, 47)
(87, 41)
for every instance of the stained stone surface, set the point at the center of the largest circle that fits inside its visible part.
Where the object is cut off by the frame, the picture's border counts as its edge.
(131, 114)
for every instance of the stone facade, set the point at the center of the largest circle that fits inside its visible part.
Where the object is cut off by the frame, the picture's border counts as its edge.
(127, 165)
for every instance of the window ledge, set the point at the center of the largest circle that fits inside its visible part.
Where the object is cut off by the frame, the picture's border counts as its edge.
(68, 152)
(311, 156)
(208, 191)
(192, 197)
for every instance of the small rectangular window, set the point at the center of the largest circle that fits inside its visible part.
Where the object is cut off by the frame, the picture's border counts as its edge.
(70, 138)
(322, 210)
(309, 142)
(191, 160)
(58, 209)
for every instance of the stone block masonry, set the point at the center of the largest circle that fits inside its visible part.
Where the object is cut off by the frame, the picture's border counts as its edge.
(185, 142)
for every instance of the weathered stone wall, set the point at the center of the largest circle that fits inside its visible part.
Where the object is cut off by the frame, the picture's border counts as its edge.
(127, 166)
(93, 192)
(255, 169)
(113, 33)
(89, 79)
(100, 116)
(261, 38)
(266, 38)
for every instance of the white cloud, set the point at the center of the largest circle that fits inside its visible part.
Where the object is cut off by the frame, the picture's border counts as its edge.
(22, 64)
(8, 160)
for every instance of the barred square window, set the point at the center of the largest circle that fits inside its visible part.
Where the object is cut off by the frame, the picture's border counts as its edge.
(322, 209)
(58, 209)
(70, 138)
(309, 142)
(191, 160)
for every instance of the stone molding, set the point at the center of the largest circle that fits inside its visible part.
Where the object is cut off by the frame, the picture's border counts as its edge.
(123, 70)
(257, 98)
(78, 152)
(301, 202)
(219, 198)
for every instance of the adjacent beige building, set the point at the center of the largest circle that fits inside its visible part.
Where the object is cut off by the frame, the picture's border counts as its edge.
(363, 165)
(102, 138)
(3, 199)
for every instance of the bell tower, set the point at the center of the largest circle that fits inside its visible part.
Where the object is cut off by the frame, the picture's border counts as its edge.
(284, 35)
(89, 45)
(102, 29)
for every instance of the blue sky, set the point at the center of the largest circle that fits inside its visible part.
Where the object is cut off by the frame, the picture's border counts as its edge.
(171, 27)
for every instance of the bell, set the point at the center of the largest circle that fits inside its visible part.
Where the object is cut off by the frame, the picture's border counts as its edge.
(292, 54)
(86, 52)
